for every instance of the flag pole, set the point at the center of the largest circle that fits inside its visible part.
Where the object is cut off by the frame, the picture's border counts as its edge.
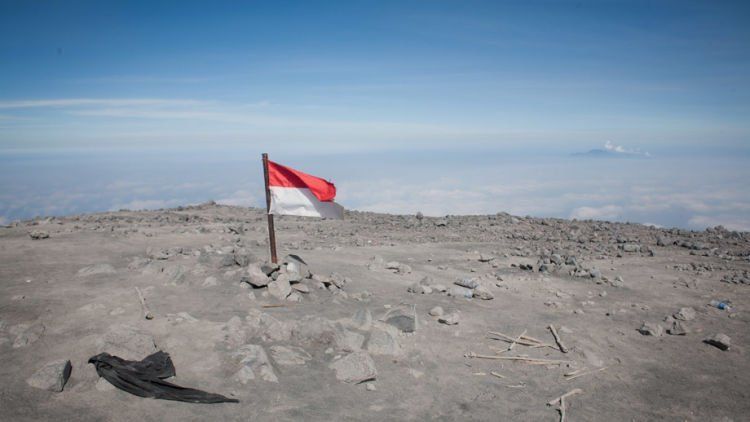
(271, 232)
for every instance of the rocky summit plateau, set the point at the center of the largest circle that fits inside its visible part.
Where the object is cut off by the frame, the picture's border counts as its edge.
(376, 317)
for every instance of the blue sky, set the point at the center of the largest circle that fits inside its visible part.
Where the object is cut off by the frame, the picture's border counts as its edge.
(408, 79)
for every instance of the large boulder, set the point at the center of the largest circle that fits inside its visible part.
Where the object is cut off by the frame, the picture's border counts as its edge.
(355, 368)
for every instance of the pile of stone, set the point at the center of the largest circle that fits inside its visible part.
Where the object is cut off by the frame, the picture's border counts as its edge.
(290, 279)
(261, 343)
(737, 278)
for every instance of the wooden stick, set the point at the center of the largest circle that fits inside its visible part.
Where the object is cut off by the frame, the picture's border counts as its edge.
(574, 376)
(513, 343)
(274, 305)
(519, 340)
(564, 396)
(496, 374)
(146, 312)
(562, 409)
(519, 358)
(558, 340)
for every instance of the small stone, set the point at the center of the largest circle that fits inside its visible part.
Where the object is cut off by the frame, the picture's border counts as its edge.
(650, 329)
(676, 329)
(269, 268)
(355, 368)
(468, 283)
(383, 341)
(39, 234)
(485, 257)
(483, 293)
(51, 376)
(722, 341)
(302, 288)
(255, 276)
(685, 314)
(450, 318)
(459, 291)
(436, 311)
(370, 386)
(631, 248)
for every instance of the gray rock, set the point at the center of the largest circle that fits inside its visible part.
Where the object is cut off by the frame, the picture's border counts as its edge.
(722, 341)
(685, 314)
(255, 276)
(280, 288)
(51, 376)
(269, 268)
(468, 283)
(227, 261)
(38, 235)
(355, 368)
(255, 363)
(650, 329)
(288, 356)
(459, 291)
(436, 311)
(595, 273)
(486, 257)
(96, 269)
(617, 282)
(631, 247)
(314, 330)
(483, 293)
(274, 329)
(348, 341)
(302, 288)
(450, 318)
(677, 329)
(404, 318)
(243, 257)
(383, 341)
(296, 267)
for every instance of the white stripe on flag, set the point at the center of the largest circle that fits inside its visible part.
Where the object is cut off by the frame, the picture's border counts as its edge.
(302, 202)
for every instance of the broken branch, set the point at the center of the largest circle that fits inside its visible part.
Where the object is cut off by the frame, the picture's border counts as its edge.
(146, 312)
(558, 340)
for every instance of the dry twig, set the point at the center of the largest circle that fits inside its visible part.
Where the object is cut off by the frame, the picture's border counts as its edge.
(558, 340)
(146, 312)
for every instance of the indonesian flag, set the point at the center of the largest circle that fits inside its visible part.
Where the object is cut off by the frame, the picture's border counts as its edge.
(297, 193)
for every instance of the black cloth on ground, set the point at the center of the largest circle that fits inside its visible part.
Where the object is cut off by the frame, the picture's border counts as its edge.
(145, 378)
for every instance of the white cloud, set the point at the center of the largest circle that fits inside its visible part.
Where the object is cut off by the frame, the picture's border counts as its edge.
(607, 212)
(619, 149)
(105, 102)
(241, 198)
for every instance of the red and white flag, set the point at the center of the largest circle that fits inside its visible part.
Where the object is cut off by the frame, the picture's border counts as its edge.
(297, 193)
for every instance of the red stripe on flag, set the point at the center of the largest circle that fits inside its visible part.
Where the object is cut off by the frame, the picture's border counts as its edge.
(286, 177)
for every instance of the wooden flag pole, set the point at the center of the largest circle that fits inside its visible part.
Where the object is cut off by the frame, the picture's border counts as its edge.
(271, 232)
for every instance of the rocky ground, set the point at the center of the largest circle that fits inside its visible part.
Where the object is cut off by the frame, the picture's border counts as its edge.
(377, 317)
